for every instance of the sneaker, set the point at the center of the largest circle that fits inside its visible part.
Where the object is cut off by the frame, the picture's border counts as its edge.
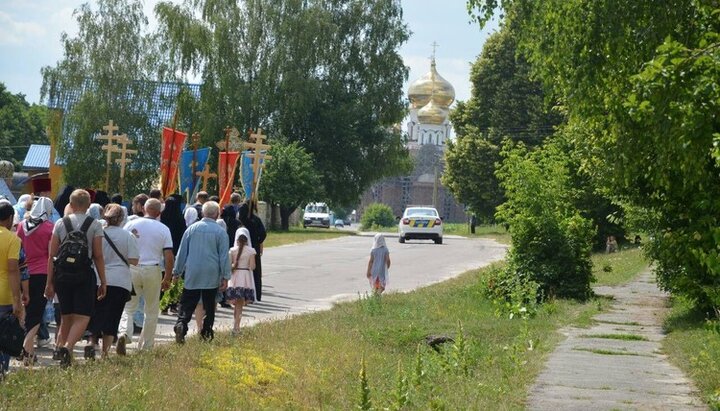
(179, 333)
(65, 357)
(121, 347)
(42, 343)
(89, 353)
(56, 355)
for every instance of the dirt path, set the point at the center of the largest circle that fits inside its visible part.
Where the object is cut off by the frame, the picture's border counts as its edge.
(628, 371)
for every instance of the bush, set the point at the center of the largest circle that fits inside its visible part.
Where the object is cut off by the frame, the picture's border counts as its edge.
(377, 214)
(551, 241)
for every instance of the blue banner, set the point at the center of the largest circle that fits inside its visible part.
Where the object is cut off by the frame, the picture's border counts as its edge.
(246, 173)
(187, 171)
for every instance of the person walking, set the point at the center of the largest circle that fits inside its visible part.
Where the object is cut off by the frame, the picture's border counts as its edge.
(10, 299)
(71, 275)
(193, 213)
(155, 244)
(379, 264)
(257, 231)
(120, 251)
(203, 258)
(241, 287)
(35, 233)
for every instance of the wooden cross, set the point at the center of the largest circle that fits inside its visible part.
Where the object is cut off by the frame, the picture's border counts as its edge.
(110, 147)
(257, 156)
(205, 175)
(124, 152)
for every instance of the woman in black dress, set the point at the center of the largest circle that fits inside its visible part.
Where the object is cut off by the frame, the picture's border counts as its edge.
(257, 236)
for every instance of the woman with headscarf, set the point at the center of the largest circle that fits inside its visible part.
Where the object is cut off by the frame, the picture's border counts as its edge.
(257, 236)
(96, 211)
(172, 217)
(377, 270)
(35, 233)
(241, 287)
(21, 206)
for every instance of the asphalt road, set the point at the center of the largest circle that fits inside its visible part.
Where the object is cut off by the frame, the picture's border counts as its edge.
(312, 276)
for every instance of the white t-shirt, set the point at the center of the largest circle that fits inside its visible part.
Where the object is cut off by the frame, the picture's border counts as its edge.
(153, 237)
(117, 272)
(77, 220)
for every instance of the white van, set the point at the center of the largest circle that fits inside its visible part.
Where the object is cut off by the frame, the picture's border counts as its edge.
(316, 215)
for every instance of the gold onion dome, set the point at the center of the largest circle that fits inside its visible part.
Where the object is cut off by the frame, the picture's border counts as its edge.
(431, 85)
(432, 113)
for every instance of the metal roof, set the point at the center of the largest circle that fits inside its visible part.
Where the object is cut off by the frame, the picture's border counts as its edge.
(5, 192)
(37, 158)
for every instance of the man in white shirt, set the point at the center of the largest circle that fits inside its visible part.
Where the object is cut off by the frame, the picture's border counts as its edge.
(155, 244)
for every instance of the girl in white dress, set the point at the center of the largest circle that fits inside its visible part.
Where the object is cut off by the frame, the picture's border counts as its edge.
(241, 287)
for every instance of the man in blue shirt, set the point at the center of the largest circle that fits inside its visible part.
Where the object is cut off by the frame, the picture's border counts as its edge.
(203, 262)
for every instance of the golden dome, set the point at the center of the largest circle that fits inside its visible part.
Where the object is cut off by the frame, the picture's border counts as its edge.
(431, 84)
(432, 113)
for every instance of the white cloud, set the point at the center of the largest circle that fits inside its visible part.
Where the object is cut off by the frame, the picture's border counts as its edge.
(18, 33)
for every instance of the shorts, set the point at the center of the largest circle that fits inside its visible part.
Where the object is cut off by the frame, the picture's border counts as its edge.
(77, 298)
(35, 309)
(106, 320)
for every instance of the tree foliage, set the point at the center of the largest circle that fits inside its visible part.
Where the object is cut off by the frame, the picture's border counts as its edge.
(21, 124)
(289, 179)
(505, 103)
(323, 73)
(115, 54)
(639, 83)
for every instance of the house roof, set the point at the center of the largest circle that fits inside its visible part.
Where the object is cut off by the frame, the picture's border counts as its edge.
(37, 158)
(5, 192)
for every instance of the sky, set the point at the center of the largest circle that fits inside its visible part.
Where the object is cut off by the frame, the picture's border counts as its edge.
(30, 32)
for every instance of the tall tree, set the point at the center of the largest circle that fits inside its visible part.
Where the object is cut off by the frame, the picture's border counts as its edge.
(639, 85)
(323, 73)
(505, 103)
(111, 64)
(21, 124)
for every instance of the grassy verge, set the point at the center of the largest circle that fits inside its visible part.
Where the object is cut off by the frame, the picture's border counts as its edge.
(693, 343)
(618, 268)
(300, 235)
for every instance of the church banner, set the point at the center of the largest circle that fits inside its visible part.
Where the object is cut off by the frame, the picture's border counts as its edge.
(226, 174)
(172, 146)
(188, 177)
(247, 174)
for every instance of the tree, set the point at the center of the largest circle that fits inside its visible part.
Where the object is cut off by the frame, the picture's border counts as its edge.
(639, 85)
(289, 180)
(21, 124)
(505, 103)
(112, 64)
(323, 73)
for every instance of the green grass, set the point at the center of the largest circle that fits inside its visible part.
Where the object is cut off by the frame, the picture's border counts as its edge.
(313, 361)
(693, 344)
(624, 337)
(610, 352)
(300, 235)
(618, 268)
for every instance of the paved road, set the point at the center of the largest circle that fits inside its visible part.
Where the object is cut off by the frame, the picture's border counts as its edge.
(312, 276)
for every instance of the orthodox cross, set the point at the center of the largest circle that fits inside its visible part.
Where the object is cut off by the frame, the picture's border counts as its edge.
(434, 47)
(257, 155)
(205, 175)
(110, 147)
(124, 160)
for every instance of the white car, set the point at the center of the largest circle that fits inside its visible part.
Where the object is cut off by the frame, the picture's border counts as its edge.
(422, 223)
(316, 215)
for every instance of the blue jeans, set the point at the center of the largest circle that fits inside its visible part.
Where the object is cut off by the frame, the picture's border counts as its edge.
(5, 358)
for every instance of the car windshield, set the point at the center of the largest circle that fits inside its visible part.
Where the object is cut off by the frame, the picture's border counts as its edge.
(316, 209)
(412, 212)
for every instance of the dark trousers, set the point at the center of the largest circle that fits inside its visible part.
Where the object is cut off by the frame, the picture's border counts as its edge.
(257, 276)
(188, 302)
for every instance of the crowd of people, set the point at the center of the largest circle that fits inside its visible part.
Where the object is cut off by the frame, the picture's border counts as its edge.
(97, 267)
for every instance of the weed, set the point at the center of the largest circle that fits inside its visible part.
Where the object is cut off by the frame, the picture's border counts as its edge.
(364, 390)
(610, 352)
(625, 337)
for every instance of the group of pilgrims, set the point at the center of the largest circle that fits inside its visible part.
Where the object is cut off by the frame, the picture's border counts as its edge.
(135, 255)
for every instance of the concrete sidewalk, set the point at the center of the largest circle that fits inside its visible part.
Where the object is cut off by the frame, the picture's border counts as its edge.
(586, 372)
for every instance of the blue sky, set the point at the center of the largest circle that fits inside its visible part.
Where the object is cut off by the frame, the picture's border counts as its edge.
(30, 39)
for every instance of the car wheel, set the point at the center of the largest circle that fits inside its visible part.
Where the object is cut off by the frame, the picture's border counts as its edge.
(438, 240)
(401, 239)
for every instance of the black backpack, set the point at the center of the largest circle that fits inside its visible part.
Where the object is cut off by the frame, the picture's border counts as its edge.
(12, 335)
(72, 264)
(198, 207)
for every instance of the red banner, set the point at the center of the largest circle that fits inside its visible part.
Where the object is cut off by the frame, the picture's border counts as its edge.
(226, 174)
(173, 142)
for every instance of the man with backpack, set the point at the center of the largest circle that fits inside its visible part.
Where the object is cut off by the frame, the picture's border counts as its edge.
(75, 246)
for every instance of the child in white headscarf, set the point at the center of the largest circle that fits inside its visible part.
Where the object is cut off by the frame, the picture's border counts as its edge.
(377, 269)
(241, 287)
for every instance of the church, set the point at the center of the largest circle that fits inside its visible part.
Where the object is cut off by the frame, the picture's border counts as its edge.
(427, 132)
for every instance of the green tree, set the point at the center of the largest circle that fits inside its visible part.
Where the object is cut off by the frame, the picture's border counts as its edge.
(505, 103)
(289, 179)
(323, 73)
(113, 60)
(21, 124)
